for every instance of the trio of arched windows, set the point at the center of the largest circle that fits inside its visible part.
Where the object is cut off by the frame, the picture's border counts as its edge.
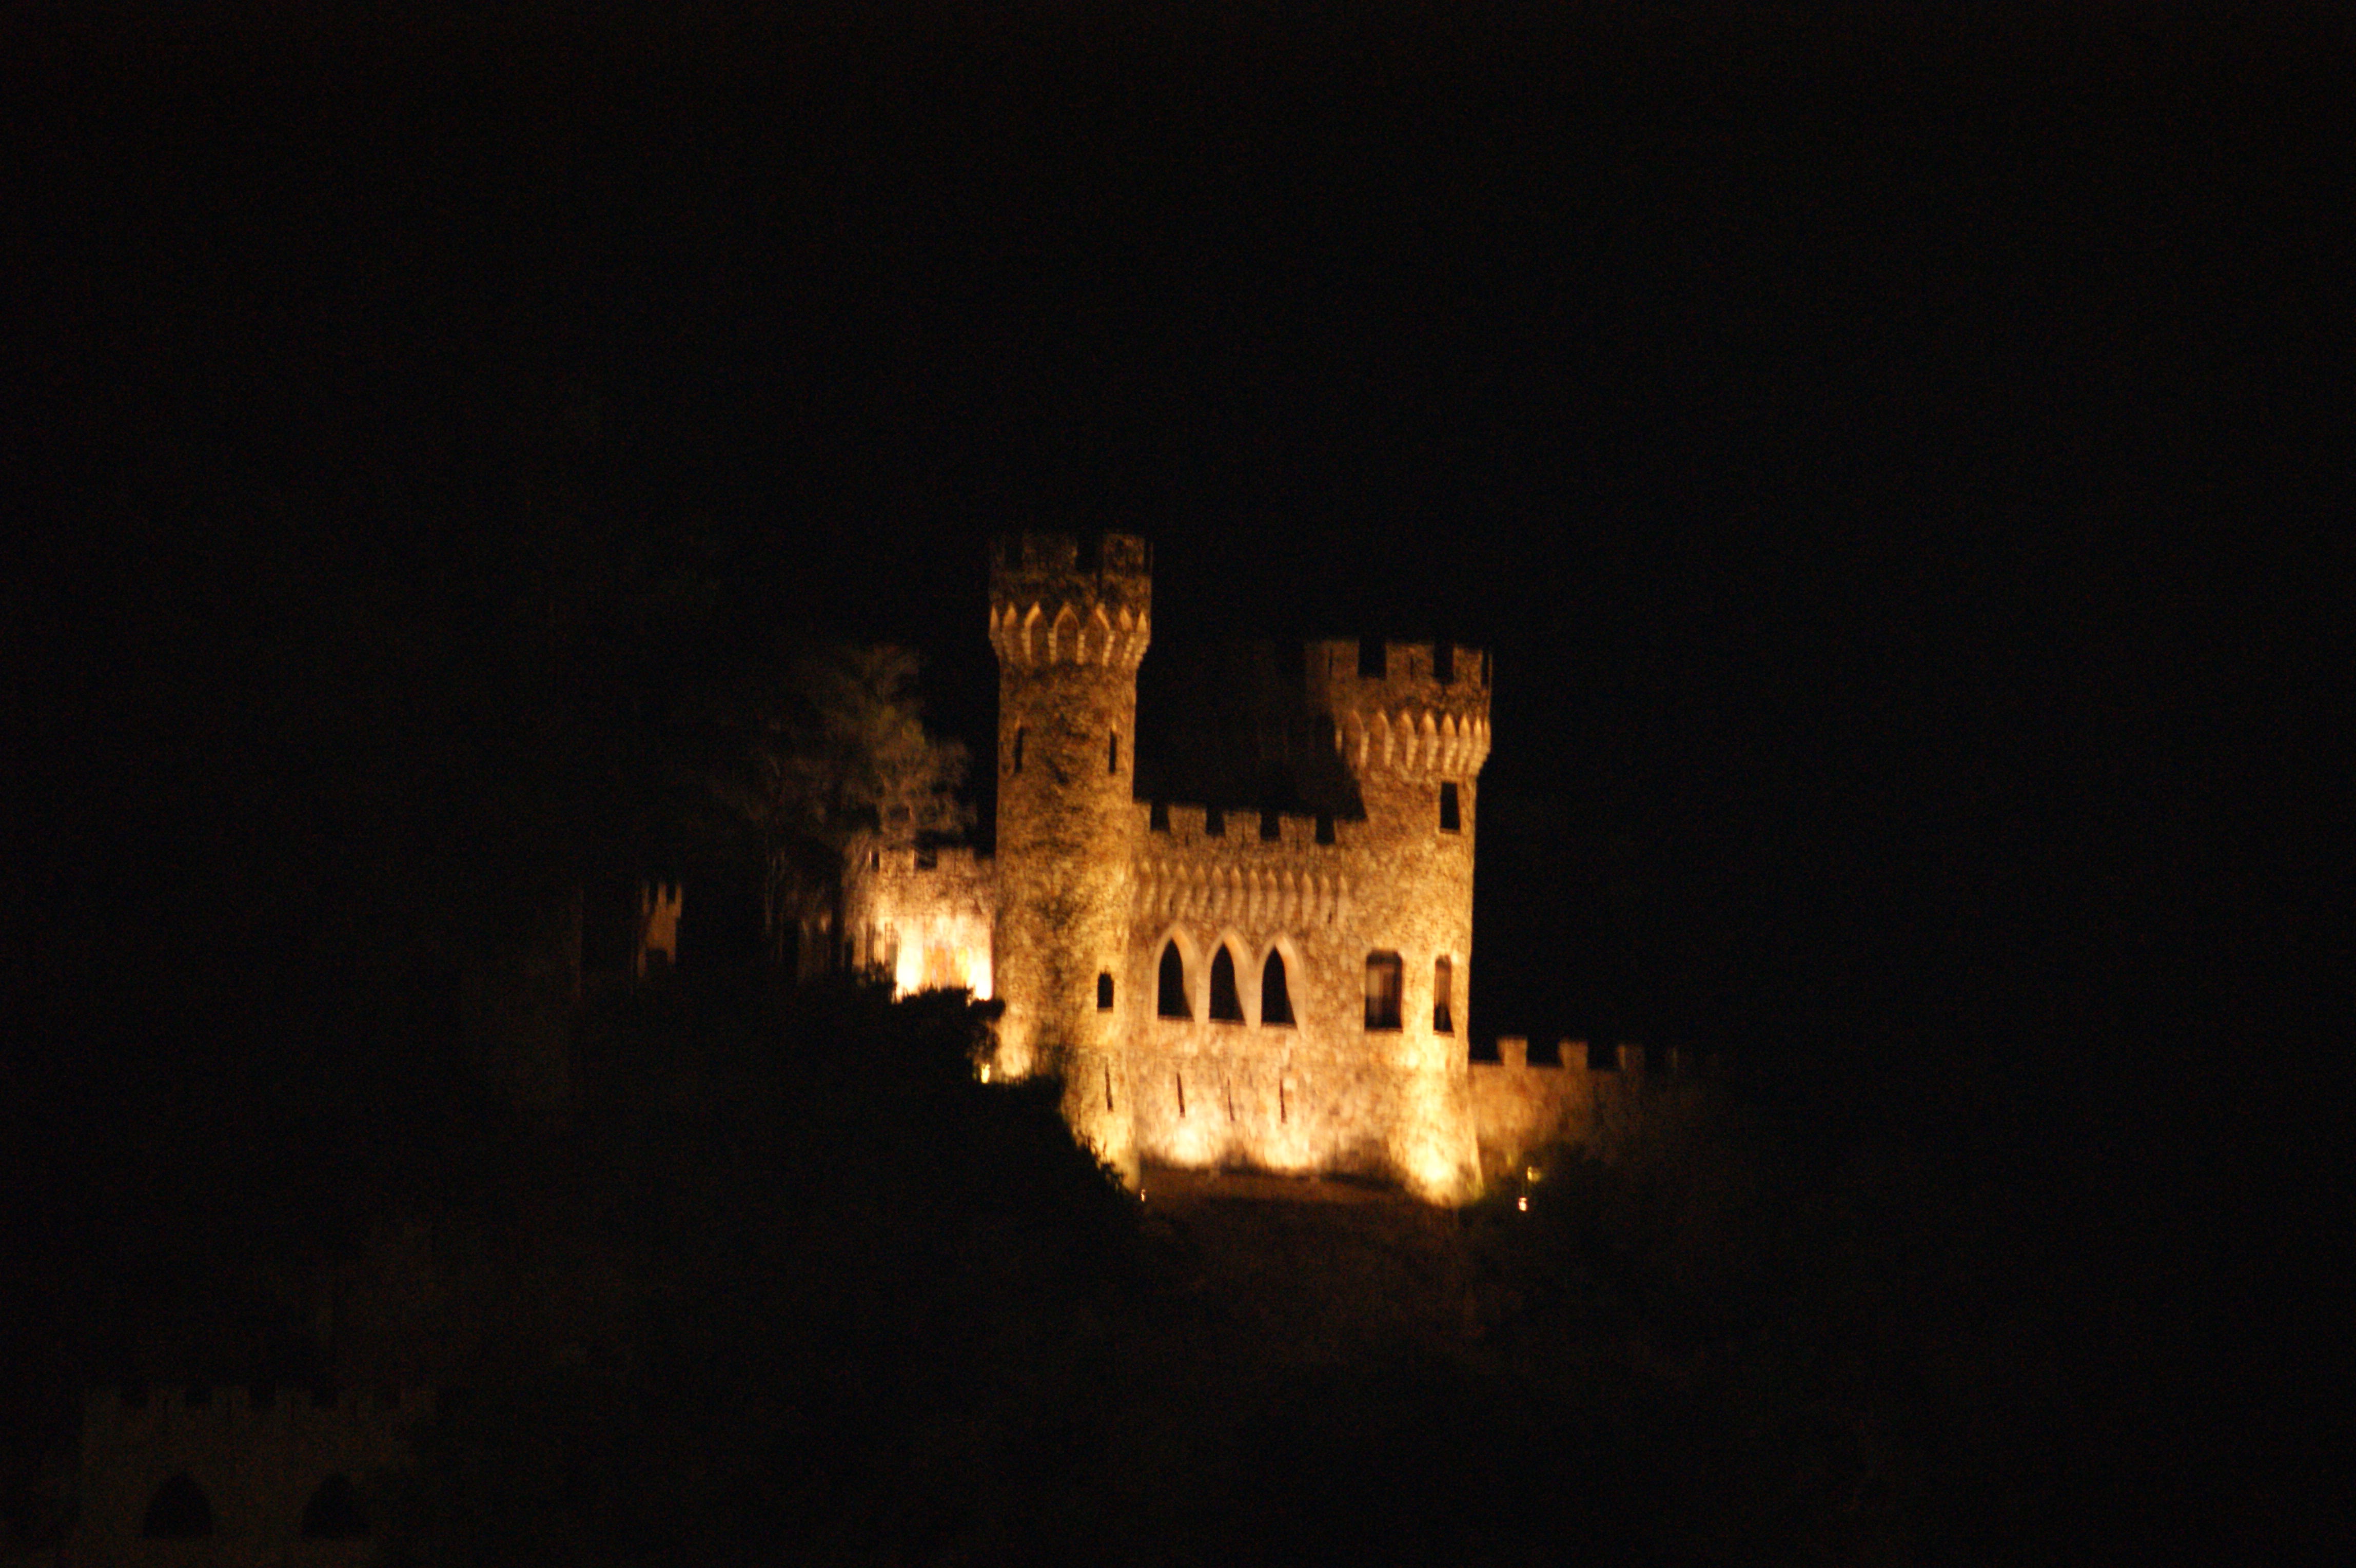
(180, 1511)
(1385, 990)
(1226, 999)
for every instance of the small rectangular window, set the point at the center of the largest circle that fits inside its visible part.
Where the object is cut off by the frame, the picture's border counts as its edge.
(1018, 750)
(1450, 820)
(1104, 993)
(1384, 976)
(1113, 752)
(1444, 997)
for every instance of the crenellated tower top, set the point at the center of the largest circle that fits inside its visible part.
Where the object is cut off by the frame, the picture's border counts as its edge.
(1415, 708)
(1055, 599)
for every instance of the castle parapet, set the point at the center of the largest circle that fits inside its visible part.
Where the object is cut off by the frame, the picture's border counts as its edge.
(1056, 599)
(1418, 708)
(128, 1413)
(263, 1473)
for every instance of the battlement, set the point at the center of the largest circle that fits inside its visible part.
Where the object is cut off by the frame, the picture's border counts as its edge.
(1626, 1058)
(945, 864)
(136, 1415)
(1241, 831)
(1446, 674)
(1056, 555)
(1056, 599)
(1418, 709)
(240, 1474)
(1522, 1107)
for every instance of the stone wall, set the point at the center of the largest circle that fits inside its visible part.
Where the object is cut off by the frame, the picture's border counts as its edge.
(1325, 1092)
(257, 1462)
(1521, 1107)
(924, 917)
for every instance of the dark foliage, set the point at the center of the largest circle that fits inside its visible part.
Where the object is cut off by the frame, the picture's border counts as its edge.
(862, 1289)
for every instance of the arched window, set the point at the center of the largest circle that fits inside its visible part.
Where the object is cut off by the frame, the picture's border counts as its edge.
(1443, 996)
(1275, 1000)
(1104, 993)
(334, 1512)
(1382, 985)
(1226, 1005)
(1170, 1002)
(179, 1512)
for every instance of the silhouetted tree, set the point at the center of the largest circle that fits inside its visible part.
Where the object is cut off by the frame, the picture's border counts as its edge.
(830, 756)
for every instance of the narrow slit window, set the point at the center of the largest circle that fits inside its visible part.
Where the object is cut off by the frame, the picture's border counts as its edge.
(1443, 996)
(1104, 993)
(1275, 996)
(1113, 752)
(1383, 978)
(1170, 1002)
(1018, 749)
(1226, 1005)
(1451, 819)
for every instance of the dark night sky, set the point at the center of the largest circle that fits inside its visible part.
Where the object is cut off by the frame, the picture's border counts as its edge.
(1887, 456)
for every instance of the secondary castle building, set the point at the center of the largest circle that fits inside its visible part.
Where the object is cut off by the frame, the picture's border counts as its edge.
(1269, 989)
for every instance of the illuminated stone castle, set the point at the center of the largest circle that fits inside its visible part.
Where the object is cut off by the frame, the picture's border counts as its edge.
(1217, 989)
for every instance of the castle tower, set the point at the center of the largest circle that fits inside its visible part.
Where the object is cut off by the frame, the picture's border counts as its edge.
(1410, 722)
(1069, 626)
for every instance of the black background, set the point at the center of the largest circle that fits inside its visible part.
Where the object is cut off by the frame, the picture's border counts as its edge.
(1895, 459)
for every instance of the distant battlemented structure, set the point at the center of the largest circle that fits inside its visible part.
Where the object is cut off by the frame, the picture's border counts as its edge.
(1267, 990)
(238, 1476)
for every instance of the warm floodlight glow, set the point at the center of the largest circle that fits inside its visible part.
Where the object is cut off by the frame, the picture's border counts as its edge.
(985, 1072)
(1523, 1204)
(941, 966)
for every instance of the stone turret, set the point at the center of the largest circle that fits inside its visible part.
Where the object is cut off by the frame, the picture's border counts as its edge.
(1408, 709)
(1410, 722)
(1069, 624)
